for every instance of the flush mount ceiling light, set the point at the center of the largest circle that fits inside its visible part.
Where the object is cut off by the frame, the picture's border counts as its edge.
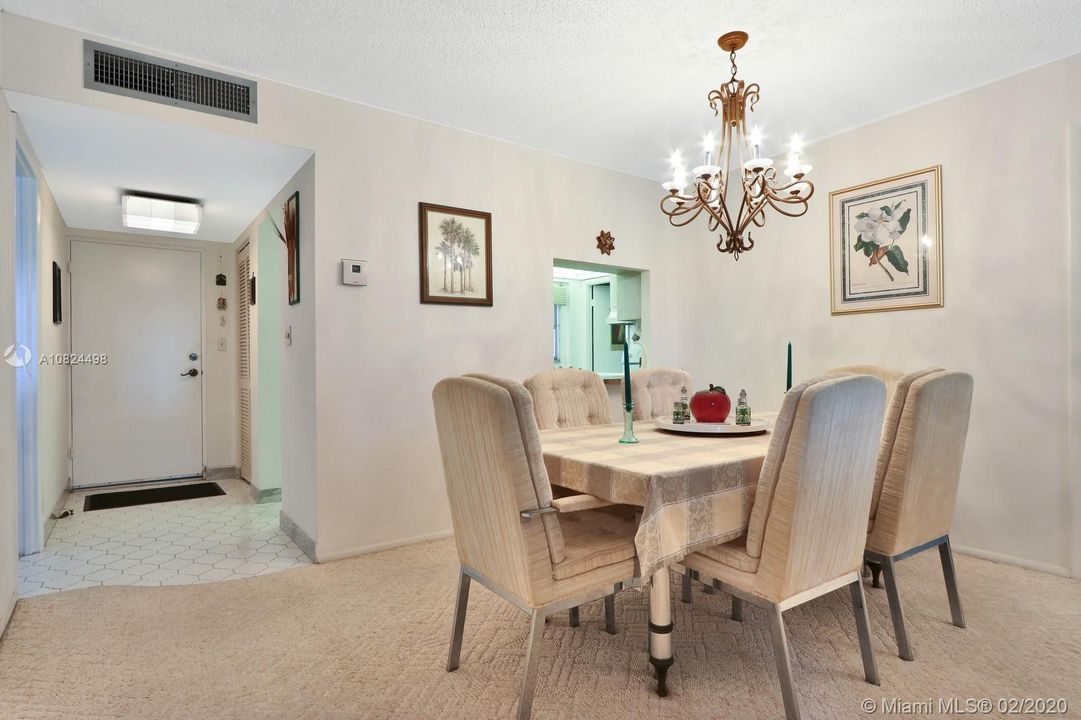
(756, 186)
(165, 214)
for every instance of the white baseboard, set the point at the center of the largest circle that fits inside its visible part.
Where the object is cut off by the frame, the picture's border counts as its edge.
(366, 549)
(1011, 560)
(6, 609)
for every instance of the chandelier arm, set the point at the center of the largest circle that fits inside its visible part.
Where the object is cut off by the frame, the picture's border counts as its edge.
(675, 217)
(753, 211)
(718, 219)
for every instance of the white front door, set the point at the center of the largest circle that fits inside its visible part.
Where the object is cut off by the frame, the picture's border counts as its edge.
(139, 416)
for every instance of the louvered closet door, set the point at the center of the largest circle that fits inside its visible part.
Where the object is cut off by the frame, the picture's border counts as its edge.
(244, 343)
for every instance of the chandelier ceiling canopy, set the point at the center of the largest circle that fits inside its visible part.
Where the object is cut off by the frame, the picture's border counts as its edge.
(735, 163)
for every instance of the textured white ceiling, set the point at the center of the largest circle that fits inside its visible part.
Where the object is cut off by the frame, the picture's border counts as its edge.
(88, 156)
(616, 83)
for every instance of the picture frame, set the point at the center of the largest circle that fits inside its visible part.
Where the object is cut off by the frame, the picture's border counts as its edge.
(291, 227)
(455, 255)
(58, 299)
(886, 244)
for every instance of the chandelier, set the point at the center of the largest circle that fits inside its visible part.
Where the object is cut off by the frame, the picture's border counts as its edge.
(737, 158)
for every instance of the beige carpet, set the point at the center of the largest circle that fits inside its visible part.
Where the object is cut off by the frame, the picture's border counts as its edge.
(366, 638)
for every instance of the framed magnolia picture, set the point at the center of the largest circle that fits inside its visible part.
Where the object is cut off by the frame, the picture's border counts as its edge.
(455, 255)
(886, 244)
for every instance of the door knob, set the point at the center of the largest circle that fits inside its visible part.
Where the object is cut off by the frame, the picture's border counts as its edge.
(190, 373)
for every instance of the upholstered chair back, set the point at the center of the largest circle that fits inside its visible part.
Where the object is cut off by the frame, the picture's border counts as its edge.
(885, 374)
(771, 466)
(817, 528)
(655, 390)
(567, 397)
(895, 406)
(923, 469)
(489, 482)
(523, 408)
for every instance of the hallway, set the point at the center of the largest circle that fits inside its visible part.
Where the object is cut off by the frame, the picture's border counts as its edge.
(174, 543)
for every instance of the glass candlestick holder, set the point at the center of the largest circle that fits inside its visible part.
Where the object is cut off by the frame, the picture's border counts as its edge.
(628, 425)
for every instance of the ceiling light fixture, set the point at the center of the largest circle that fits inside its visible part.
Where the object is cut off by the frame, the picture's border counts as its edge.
(162, 213)
(737, 156)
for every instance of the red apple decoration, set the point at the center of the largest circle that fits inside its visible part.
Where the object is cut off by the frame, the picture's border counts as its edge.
(711, 406)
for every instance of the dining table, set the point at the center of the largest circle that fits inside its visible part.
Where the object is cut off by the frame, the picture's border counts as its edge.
(695, 491)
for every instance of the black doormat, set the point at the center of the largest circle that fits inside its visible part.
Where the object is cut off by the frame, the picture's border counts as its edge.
(148, 496)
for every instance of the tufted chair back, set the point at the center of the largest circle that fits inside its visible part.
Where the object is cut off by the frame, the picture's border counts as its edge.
(655, 390)
(566, 397)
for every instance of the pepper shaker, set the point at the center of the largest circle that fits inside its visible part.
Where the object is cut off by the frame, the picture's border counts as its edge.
(743, 410)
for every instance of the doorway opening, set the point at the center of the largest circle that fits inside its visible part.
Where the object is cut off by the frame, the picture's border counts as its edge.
(590, 303)
(23, 354)
(140, 391)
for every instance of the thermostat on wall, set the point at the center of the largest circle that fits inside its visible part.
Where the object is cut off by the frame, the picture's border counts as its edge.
(354, 272)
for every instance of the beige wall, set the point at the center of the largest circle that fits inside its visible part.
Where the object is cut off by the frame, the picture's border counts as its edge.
(1074, 474)
(9, 527)
(220, 394)
(288, 459)
(1003, 149)
(377, 352)
(54, 381)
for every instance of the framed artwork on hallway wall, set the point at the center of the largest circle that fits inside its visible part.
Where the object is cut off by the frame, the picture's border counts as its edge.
(886, 244)
(291, 221)
(289, 233)
(455, 256)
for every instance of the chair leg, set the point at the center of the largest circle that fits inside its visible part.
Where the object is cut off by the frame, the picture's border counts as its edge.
(737, 609)
(876, 574)
(610, 614)
(573, 613)
(458, 627)
(687, 586)
(863, 628)
(532, 661)
(784, 664)
(904, 649)
(949, 572)
(707, 588)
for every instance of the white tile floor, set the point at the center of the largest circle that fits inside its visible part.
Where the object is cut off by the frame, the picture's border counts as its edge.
(173, 543)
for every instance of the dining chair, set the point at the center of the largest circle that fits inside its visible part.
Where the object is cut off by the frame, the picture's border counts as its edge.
(808, 525)
(655, 390)
(568, 397)
(887, 375)
(916, 480)
(541, 554)
(524, 409)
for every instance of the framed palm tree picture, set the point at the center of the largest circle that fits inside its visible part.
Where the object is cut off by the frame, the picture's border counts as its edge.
(455, 255)
(886, 244)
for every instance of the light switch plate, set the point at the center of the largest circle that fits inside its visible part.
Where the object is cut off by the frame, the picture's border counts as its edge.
(354, 272)
(221, 343)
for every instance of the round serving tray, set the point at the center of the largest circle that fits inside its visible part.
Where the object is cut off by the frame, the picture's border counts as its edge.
(758, 425)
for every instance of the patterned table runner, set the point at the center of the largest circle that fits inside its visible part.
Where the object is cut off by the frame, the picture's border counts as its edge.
(695, 491)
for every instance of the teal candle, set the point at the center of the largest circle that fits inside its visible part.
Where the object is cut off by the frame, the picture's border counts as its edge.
(788, 376)
(626, 369)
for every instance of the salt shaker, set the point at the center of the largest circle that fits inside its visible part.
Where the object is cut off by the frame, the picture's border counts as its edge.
(743, 410)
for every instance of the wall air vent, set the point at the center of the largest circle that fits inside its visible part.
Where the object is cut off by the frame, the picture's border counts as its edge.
(123, 72)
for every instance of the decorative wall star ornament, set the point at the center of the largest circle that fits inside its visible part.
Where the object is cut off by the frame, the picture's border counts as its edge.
(606, 243)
